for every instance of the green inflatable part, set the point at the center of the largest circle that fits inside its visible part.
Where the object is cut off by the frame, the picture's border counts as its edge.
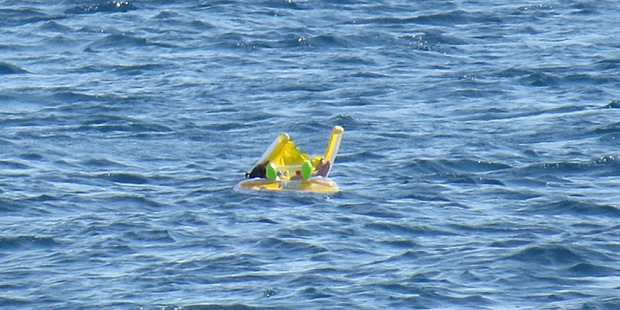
(306, 170)
(271, 172)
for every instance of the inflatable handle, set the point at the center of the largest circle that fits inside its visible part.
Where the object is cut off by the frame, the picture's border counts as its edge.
(275, 147)
(271, 172)
(306, 170)
(334, 144)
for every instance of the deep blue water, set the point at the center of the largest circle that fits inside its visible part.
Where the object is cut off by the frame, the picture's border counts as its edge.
(479, 167)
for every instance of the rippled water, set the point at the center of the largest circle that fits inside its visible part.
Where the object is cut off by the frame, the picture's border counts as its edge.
(478, 168)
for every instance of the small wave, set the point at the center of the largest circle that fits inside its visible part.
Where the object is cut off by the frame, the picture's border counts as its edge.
(427, 197)
(11, 164)
(31, 156)
(290, 246)
(535, 7)
(285, 4)
(475, 93)
(55, 27)
(116, 41)
(360, 156)
(215, 306)
(613, 104)
(279, 42)
(603, 166)
(42, 198)
(405, 256)
(107, 7)
(200, 25)
(21, 16)
(72, 96)
(403, 229)
(27, 242)
(591, 270)
(19, 302)
(548, 255)
(510, 243)
(326, 41)
(112, 123)
(10, 205)
(13, 47)
(468, 179)
(461, 165)
(532, 77)
(574, 207)
(126, 178)
(149, 235)
(267, 221)
(102, 163)
(608, 303)
(428, 39)
(59, 40)
(167, 15)
(348, 122)
(448, 18)
(513, 72)
(591, 79)
(607, 64)
(7, 68)
(400, 243)
(293, 40)
(137, 69)
(611, 128)
(585, 8)
(358, 61)
(540, 79)
(131, 201)
(547, 77)
(366, 75)
(313, 293)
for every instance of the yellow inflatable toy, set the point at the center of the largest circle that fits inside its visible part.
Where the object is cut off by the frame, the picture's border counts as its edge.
(284, 167)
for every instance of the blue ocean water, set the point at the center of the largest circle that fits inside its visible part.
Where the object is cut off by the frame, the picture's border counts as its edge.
(479, 166)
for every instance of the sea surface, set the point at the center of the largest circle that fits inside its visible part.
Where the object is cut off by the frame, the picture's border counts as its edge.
(479, 168)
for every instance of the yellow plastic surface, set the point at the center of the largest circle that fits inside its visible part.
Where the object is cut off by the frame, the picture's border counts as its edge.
(334, 144)
(283, 152)
(314, 185)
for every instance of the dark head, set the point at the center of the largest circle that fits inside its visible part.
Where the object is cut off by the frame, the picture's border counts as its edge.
(259, 171)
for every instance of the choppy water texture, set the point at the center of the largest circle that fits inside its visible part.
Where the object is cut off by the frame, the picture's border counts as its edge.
(479, 167)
